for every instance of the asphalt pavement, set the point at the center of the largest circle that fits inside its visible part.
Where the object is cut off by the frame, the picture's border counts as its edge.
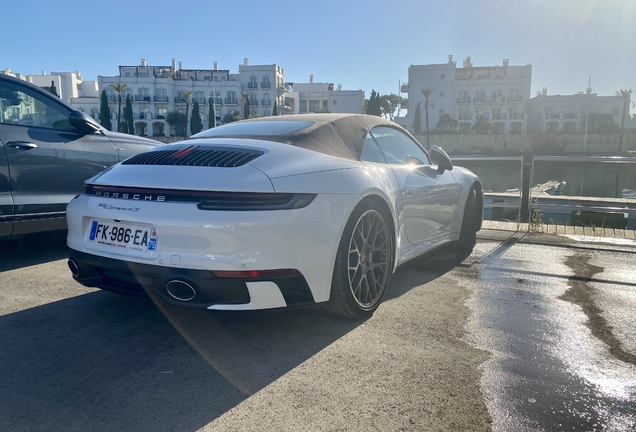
(530, 332)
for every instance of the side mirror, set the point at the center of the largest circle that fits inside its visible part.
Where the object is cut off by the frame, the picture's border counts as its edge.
(441, 159)
(83, 122)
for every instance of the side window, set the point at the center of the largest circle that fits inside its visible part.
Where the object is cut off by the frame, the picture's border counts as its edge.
(396, 146)
(371, 152)
(21, 105)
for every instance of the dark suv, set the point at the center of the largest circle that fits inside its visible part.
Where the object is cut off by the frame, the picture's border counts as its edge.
(47, 150)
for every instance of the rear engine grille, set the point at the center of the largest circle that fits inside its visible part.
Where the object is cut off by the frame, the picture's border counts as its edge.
(195, 156)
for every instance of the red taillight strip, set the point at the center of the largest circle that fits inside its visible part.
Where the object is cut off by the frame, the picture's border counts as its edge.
(183, 152)
(254, 274)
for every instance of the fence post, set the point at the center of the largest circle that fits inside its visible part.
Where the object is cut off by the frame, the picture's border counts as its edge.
(527, 167)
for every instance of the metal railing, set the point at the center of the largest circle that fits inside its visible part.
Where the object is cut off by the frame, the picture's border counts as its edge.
(526, 204)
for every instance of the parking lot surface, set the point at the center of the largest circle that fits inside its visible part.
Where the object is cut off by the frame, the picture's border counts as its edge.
(531, 332)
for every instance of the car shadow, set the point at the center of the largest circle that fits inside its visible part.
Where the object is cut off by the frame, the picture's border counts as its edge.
(28, 250)
(101, 361)
(424, 269)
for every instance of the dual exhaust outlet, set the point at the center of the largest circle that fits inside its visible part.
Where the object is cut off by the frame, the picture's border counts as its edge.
(177, 289)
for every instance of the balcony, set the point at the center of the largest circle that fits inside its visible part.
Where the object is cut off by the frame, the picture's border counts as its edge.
(514, 98)
(252, 85)
(498, 116)
(200, 100)
(516, 116)
(253, 102)
(465, 116)
(498, 98)
(266, 85)
(179, 99)
(112, 98)
(160, 117)
(266, 102)
(569, 115)
(463, 99)
(404, 88)
(231, 101)
(217, 101)
(481, 99)
(142, 98)
(143, 116)
(161, 98)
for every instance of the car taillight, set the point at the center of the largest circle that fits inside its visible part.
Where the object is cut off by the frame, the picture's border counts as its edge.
(252, 201)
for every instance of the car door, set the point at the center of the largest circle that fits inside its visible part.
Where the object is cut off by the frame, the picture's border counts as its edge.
(430, 198)
(6, 202)
(48, 159)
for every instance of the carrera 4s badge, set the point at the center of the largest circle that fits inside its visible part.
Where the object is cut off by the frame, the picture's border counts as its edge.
(111, 207)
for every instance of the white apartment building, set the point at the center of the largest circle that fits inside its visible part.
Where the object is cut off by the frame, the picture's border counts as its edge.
(157, 90)
(567, 113)
(495, 94)
(314, 97)
(69, 85)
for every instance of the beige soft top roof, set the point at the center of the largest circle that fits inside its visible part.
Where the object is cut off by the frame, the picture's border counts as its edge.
(340, 135)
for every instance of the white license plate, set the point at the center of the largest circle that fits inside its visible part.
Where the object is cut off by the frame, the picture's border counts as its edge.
(123, 235)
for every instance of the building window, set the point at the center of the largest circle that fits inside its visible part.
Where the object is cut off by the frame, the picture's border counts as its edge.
(302, 106)
(334, 102)
(442, 76)
(314, 105)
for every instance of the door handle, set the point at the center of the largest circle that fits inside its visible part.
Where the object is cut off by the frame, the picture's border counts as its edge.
(409, 191)
(22, 145)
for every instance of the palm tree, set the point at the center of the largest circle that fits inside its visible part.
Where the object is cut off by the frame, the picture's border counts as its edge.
(186, 95)
(119, 88)
(625, 94)
(427, 92)
(246, 107)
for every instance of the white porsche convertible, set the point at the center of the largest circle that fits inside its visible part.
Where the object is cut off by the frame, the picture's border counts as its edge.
(287, 211)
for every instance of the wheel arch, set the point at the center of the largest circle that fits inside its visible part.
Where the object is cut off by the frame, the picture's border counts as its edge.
(391, 222)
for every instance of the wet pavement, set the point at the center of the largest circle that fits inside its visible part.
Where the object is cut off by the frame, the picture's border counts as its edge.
(558, 318)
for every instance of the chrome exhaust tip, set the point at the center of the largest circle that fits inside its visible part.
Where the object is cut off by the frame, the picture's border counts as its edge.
(180, 290)
(73, 267)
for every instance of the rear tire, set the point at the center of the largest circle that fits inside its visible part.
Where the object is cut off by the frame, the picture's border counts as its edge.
(468, 234)
(364, 263)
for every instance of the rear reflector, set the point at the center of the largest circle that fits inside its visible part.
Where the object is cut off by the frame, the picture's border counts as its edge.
(254, 274)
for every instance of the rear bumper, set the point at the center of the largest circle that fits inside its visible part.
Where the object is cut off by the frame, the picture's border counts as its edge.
(210, 292)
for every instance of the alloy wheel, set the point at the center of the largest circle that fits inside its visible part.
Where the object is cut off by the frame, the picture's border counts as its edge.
(369, 258)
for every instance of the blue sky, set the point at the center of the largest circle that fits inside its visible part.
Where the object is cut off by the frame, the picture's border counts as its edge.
(360, 44)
